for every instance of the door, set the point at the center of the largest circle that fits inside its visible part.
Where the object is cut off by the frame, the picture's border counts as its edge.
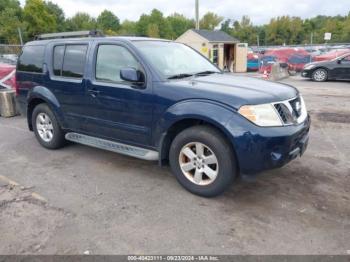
(342, 68)
(119, 110)
(67, 83)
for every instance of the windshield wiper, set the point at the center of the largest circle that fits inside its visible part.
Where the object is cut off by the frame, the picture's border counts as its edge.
(208, 72)
(179, 76)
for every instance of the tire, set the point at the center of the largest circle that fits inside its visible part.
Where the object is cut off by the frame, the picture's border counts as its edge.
(185, 164)
(320, 75)
(44, 123)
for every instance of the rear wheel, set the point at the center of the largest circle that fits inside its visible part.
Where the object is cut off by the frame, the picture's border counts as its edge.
(320, 75)
(46, 128)
(202, 161)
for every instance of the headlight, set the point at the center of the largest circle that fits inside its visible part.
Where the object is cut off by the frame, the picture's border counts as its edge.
(308, 67)
(261, 115)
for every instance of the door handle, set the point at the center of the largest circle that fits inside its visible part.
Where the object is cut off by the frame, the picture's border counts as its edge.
(93, 92)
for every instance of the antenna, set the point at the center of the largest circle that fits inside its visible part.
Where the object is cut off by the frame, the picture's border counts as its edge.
(197, 14)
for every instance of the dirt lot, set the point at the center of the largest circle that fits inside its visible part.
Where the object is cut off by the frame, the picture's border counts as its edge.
(81, 199)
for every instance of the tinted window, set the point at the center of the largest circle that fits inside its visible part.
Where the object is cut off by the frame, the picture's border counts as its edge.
(32, 59)
(58, 54)
(347, 59)
(74, 61)
(112, 58)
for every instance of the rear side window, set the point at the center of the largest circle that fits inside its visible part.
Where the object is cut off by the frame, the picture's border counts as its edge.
(58, 54)
(69, 60)
(32, 59)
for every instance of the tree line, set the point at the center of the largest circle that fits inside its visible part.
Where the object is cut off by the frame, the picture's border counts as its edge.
(38, 16)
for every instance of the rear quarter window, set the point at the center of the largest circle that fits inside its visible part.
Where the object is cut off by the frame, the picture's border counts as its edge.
(31, 59)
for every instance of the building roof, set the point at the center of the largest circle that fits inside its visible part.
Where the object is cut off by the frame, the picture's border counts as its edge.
(216, 36)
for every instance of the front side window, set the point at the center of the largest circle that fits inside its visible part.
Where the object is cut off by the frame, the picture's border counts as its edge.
(171, 58)
(31, 59)
(111, 59)
(69, 60)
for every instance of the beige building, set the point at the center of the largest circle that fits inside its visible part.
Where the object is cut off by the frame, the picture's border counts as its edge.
(221, 48)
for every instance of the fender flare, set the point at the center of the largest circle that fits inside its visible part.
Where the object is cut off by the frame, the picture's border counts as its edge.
(43, 93)
(211, 112)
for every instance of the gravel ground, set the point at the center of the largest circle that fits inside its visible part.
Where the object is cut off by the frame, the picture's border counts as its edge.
(80, 199)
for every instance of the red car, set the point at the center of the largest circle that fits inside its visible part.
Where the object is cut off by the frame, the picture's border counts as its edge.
(295, 58)
(331, 55)
(7, 75)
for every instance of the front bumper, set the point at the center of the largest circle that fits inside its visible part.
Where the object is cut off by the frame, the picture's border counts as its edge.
(306, 73)
(258, 148)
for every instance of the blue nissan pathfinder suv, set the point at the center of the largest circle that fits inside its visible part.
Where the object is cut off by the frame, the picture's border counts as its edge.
(162, 101)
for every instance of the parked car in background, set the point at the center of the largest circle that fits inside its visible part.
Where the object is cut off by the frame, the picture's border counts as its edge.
(336, 69)
(7, 75)
(330, 55)
(295, 58)
(159, 100)
(253, 62)
(7, 70)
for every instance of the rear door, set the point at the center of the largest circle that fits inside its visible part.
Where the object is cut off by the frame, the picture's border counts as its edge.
(66, 80)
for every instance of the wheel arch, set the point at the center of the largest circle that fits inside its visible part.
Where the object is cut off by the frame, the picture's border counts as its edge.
(40, 95)
(213, 115)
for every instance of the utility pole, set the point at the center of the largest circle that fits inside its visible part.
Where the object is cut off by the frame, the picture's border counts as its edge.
(312, 38)
(20, 35)
(258, 40)
(197, 14)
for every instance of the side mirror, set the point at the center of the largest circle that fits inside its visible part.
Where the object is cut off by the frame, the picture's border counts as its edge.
(132, 75)
(339, 61)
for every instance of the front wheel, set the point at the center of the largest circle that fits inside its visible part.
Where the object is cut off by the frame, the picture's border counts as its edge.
(202, 161)
(320, 75)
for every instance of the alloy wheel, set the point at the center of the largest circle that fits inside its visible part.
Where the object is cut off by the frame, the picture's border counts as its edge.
(198, 163)
(44, 127)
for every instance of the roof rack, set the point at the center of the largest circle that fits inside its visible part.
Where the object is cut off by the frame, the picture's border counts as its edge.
(91, 33)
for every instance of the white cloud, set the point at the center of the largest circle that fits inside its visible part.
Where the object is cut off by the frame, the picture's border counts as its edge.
(259, 11)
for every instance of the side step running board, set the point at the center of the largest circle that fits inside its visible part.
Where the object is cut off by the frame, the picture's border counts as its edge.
(133, 151)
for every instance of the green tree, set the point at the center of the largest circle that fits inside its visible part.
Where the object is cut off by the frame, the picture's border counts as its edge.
(155, 18)
(10, 4)
(210, 21)
(81, 21)
(38, 19)
(226, 26)
(9, 22)
(153, 30)
(58, 13)
(179, 24)
(245, 31)
(107, 21)
(128, 28)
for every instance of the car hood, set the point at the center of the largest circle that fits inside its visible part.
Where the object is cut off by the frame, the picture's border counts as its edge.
(236, 90)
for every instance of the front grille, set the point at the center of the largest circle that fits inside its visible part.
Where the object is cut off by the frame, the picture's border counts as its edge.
(283, 112)
(289, 111)
(296, 106)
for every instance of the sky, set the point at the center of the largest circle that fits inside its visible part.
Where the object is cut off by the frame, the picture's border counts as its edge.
(259, 11)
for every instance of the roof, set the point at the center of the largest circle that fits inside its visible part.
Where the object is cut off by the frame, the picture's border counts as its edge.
(215, 36)
(87, 39)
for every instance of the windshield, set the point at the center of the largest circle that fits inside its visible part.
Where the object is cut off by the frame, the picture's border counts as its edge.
(172, 59)
(341, 57)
